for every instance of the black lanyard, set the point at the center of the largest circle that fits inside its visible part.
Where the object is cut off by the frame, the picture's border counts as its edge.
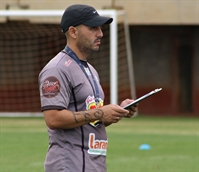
(96, 89)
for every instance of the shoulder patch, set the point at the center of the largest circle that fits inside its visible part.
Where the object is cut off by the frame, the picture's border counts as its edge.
(50, 87)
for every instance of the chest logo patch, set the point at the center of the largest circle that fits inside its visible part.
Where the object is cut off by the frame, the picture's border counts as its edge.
(91, 104)
(97, 147)
(50, 87)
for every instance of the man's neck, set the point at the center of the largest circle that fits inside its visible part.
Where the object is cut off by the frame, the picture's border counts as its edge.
(79, 54)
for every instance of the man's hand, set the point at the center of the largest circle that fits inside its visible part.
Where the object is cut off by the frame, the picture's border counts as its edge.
(113, 113)
(132, 109)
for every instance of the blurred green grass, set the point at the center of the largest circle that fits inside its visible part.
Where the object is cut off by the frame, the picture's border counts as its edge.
(174, 144)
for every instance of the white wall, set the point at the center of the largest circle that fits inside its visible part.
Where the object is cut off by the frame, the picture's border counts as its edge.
(138, 12)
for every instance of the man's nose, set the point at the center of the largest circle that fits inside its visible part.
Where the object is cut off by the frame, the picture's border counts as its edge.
(100, 33)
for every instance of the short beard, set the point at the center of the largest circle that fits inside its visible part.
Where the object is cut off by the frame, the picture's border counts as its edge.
(85, 46)
(84, 50)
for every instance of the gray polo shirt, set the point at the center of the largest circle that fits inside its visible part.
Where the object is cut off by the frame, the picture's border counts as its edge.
(63, 85)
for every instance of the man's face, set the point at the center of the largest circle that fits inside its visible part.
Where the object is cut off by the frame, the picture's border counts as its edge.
(89, 39)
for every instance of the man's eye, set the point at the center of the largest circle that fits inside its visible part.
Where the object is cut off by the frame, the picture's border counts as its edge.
(96, 28)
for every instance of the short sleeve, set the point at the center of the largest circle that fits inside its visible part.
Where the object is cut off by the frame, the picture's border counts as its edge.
(54, 89)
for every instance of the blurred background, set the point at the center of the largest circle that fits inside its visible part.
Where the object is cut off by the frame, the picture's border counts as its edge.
(158, 47)
(164, 41)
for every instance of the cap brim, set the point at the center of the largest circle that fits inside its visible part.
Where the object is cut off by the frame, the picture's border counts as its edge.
(98, 21)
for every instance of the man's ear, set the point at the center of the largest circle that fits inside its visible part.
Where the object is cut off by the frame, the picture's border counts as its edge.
(72, 31)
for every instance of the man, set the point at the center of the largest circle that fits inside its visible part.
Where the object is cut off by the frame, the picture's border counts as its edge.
(72, 98)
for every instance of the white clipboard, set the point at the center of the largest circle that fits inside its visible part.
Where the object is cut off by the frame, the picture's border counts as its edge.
(142, 98)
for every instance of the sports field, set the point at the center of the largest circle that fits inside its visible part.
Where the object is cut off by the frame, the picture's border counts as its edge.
(174, 144)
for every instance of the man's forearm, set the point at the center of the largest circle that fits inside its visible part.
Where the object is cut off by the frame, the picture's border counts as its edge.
(65, 119)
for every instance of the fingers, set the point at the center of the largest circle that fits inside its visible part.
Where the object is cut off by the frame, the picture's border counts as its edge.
(117, 119)
(135, 105)
(119, 111)
(131, 112)
(122, 113)
(132, 109)
(113, 113)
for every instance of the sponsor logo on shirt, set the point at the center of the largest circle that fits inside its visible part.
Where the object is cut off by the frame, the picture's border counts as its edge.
(67, 63)
(91, 103)
(50, 87)
(97, 147)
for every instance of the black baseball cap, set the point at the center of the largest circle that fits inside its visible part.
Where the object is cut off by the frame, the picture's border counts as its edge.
(78, 14)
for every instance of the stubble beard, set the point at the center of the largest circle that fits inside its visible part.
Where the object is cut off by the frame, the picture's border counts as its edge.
(85, 46)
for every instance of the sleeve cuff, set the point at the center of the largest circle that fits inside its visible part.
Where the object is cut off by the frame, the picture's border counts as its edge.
(52, 108)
